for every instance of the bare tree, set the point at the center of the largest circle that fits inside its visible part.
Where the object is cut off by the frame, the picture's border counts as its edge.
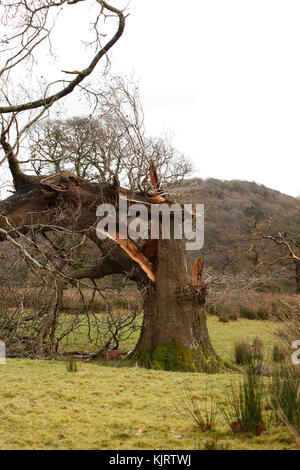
(43, 308)
(111, 143)
(286, 252)
(174, 333)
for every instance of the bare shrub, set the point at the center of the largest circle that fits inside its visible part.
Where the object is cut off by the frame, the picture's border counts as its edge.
(51, 312)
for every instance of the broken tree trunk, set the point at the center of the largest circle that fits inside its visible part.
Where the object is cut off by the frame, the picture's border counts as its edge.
(174, 334)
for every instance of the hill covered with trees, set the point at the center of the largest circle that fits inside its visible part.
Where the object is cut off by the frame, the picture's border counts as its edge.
(234, 211)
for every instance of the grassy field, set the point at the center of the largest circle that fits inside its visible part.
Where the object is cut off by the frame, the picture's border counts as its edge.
(45, 407)
(223, 335)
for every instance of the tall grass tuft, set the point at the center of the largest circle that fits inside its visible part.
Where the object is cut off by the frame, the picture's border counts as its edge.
(205, 419)
(244, 412)
(278, 353)
(247, 312)
(258, 349)
(284, 392)
(242, 352)
(284, 395)
(71, 364)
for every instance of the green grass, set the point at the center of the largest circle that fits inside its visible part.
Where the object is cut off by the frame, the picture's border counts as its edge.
(42, 406)
(78, 340)
(223, 335)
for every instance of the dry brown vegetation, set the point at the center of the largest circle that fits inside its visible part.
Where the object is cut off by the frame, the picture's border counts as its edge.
(229, 225)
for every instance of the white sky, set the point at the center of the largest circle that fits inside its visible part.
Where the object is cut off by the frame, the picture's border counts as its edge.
(224, 77)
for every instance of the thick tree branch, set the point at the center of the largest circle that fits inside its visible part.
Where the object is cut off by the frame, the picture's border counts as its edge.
(50, 100)
(19, 178)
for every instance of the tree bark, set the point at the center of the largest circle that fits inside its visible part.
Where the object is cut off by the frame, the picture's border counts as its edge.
(174, 334)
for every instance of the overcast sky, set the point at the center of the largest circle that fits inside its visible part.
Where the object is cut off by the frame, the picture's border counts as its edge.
(224, 77)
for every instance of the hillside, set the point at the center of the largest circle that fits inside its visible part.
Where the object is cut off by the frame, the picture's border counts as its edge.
(227, 224)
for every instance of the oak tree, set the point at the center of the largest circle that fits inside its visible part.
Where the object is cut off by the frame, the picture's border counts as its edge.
(174, 333)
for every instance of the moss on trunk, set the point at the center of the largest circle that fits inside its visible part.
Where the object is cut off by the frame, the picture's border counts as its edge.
(177, 357)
